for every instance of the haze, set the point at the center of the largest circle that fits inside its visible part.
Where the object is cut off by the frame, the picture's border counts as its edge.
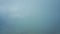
(29, 17)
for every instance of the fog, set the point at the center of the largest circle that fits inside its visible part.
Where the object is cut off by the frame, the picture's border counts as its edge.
(29, 17)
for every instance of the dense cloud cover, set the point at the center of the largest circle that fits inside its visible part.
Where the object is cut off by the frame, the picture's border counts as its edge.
(29, 17)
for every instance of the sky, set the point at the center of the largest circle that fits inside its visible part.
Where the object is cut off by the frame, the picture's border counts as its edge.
(29, 17)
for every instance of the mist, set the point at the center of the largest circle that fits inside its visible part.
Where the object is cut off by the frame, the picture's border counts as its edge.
(29, 17)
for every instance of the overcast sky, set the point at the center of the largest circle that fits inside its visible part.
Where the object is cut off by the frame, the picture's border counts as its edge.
(30, 16)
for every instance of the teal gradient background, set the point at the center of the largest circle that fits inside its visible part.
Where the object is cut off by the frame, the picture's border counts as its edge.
(29, 17)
